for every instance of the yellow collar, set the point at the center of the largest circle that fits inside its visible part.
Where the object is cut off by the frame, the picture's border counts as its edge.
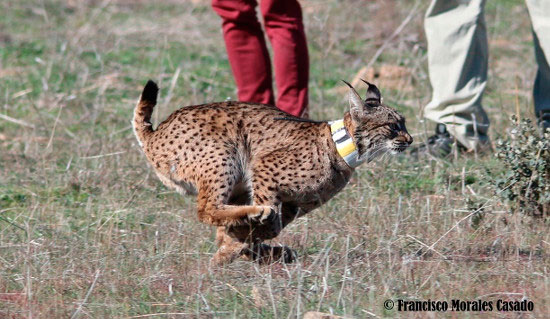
(344, 143)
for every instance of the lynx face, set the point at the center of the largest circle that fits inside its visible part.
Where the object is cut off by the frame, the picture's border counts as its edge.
(379, 129)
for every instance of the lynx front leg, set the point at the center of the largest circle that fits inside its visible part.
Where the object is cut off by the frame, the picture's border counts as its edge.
(290, 212)
(265, 254)
(255, 234)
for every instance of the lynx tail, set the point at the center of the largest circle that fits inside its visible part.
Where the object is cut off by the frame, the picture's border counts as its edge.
(143, 111)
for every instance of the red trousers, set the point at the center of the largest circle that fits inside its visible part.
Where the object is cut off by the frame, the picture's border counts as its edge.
(249, 58)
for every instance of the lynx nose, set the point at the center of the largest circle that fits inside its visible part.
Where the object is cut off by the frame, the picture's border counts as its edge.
(405, 138)
(408, 139)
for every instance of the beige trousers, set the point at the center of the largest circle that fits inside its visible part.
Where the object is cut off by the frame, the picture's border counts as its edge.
(458, 56)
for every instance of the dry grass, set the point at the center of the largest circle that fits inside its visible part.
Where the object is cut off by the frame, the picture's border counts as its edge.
(86, 231)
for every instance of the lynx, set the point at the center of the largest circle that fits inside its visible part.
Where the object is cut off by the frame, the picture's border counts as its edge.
(255, 168)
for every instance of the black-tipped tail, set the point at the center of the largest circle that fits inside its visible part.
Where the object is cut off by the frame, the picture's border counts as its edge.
(143, 111)
(150, 92)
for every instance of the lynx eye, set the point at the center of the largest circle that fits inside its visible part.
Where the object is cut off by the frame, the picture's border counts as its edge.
(395, 126)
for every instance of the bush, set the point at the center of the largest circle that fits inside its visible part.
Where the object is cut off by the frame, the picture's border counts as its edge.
(525, 155)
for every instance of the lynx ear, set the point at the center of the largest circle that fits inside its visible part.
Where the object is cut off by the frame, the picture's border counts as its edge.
(355, 102)
(373, 98)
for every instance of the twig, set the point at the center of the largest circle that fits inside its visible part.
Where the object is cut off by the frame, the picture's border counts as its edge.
(28, 287)
(323, 254)
(344, 276)
(370, 313)
(54, 126)
(129, 127)
(240, 294)
(271, 297)
(103, 155)
(11, 223)
(21, 93)
(468, 216)
(75, 314)
(16, 121)
(172, 86)
(518, 115)
(173, 314)
(533, 175)
(454, 226)
(430, 248)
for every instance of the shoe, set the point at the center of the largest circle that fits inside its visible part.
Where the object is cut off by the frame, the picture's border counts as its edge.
(544, 120)
(439, 145)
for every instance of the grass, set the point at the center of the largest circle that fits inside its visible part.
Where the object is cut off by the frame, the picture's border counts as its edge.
(86, 229)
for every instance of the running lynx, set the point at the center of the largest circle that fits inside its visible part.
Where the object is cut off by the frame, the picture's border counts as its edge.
(255, 168)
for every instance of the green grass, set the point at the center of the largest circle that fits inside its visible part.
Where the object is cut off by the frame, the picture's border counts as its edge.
(77, 197)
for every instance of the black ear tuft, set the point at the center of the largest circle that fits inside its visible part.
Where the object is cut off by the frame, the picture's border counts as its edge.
(349, 85)
(373, 97)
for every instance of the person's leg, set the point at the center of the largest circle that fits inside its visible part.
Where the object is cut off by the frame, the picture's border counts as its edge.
(246, 49)
(539, 10)
(285, 29)
(457, 60)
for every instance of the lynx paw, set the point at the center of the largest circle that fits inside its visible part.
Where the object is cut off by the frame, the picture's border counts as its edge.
(266, 215)
(265, 254)
(288, 255)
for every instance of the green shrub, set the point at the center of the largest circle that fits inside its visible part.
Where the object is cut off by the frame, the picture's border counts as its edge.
(525, 155)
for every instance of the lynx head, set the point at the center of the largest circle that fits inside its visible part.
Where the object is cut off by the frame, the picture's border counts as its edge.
(378, 128)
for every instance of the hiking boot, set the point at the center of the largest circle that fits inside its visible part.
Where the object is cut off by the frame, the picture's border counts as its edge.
(439, 145)
(544, 120)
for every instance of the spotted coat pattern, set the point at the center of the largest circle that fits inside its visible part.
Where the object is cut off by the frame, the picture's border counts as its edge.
(252, 172)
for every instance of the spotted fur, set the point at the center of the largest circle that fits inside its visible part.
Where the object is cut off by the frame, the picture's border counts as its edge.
(253, 168)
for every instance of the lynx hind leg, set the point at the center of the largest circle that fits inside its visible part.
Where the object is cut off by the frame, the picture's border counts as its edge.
(181, 186)
(229, 248)
(215, 192)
